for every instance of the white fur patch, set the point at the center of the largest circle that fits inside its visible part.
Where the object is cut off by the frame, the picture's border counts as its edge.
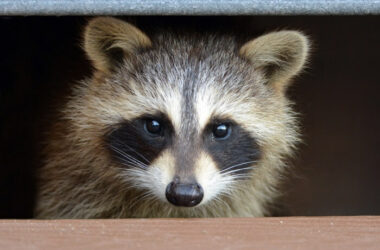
(209, 177)
(173, 108)
(204, 106)
(155, 178)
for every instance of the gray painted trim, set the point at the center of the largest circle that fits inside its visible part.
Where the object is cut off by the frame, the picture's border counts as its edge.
(189, 7)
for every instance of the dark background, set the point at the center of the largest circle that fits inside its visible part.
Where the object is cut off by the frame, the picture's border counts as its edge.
(337, 168)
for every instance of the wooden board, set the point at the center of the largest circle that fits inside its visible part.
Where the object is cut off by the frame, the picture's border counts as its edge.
(362, 232)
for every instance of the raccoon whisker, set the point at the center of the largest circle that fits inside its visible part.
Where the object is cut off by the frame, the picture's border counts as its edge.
(130, 175)
(129, 147)
(242, 178)
(136, 163)
(233, 166)
(236, 165)
(133, 173)
(130, 163)
(128, 157)
(124, 154)
(236, 170)
(241, 175)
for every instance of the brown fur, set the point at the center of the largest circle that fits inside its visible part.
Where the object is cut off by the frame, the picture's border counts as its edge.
(104, 34)
(79, 180)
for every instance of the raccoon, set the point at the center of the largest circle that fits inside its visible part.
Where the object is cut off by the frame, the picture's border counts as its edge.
(173, 125)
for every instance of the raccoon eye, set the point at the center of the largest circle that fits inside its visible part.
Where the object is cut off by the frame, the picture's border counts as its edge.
(221, 131)
(153, 126)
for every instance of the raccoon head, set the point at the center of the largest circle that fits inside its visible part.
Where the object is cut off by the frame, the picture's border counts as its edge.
(190, 119)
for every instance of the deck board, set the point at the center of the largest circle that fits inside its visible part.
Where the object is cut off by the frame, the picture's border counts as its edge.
(358, 232)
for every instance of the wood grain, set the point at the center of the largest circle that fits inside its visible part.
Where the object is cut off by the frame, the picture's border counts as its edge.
(362, 232)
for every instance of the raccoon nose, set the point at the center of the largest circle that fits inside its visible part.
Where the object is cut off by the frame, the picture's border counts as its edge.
(184, 195)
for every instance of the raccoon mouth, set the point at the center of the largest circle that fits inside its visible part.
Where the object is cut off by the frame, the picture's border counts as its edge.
(184, 194)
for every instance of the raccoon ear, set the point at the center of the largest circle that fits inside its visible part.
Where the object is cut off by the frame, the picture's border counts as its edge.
(108, 40)
(279, 55)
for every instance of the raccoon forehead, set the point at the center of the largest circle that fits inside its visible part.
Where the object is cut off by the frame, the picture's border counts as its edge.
(191, 82)
(191, 62)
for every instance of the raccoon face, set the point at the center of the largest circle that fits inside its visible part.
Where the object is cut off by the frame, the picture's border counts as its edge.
(188, 119)
(184, 166)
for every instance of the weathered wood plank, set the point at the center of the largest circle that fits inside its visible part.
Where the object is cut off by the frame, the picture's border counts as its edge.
(189, 7)
(361, 232)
